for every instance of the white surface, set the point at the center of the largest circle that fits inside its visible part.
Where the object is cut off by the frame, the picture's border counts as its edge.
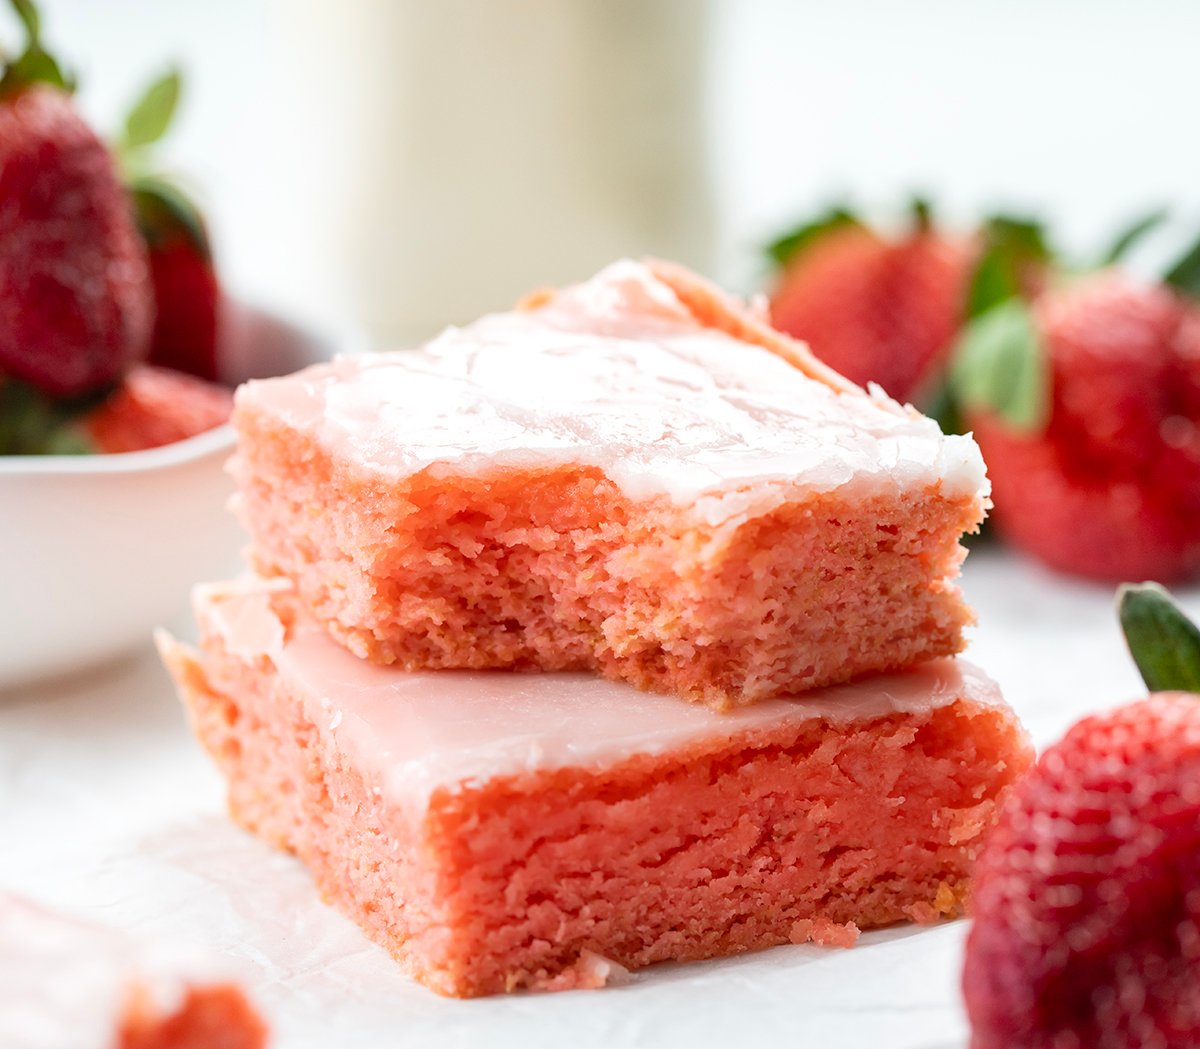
(108, 808)
(96, 550)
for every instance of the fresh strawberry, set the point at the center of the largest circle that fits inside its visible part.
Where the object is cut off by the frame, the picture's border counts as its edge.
(877, 309)
(1087, 410)
(186, 291)
(75, 299)
(153, 407)
(1086, 899)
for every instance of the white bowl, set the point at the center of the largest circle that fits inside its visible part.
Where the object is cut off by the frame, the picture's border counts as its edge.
(97, 550)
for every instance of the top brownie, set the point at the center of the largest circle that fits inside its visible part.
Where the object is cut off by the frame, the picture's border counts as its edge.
(635, 475)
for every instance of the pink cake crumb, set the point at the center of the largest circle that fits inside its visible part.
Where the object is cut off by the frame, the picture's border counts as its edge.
(634, 476)
(824, 932)
(501, 831)
(64, 982)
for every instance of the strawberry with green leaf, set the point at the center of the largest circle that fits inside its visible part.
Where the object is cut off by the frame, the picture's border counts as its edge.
(876, 308)
(1086, 899)
(75, 300)
(1085, 401)
(186, 291)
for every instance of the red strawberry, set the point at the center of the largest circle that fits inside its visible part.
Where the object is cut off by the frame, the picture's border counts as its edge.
(186, 292)
(876, 309)
(1108, 485)
(1086, 898)
(75, 306)
(153, 407)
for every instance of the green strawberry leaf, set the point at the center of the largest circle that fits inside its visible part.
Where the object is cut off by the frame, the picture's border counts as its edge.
(993, 282)
(1131, 234)
(29, 17)
(1009, 246)
(998, 366)
(1184, 276)
(151, 115)
(1164, 643)
(34, 65)
(31, 423)
(66, 440)
(789, 246)
(942, 406)
(163, 209)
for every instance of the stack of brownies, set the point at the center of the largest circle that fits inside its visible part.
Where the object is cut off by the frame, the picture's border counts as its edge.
(610, 630)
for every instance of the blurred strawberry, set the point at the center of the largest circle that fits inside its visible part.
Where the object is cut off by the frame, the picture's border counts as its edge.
(75, 304)
(186, 291)
(1086, 899)
(1086, 405)
(875, 308)
(153, 407)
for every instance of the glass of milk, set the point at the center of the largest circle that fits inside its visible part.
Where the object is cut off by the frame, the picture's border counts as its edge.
(441, 158)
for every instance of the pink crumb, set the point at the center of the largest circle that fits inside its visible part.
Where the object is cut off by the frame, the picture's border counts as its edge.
(825, 933)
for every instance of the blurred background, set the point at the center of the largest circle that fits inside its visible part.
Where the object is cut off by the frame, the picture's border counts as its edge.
(411, 163)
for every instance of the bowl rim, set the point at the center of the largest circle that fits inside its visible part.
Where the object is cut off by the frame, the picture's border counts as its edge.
(146, 460)
(340, 336)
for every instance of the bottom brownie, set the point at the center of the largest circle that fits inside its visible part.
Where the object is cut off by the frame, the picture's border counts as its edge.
(496, 831)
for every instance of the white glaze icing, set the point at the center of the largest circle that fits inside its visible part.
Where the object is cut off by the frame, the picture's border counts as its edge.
(411, 733)
(65, 984)
(616, 373)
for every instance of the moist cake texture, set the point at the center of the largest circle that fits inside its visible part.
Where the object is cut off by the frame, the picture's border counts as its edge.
(634, 475)
(497, 831)
(65, 983)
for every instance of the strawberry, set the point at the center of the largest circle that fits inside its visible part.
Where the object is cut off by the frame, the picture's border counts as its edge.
(875, 308)
(186, 291)
(1086, 898)
(75, 303)
(153, 407)
(1087, 409)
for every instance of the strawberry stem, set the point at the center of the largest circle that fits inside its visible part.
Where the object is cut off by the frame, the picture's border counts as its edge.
(1164, 643)
(922, 214)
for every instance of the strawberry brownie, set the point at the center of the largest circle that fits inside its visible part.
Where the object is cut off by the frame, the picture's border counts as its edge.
(497, 831)
(66, 983)
(634, 475)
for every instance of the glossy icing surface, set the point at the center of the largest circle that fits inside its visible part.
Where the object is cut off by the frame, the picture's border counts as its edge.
(414, 732)
(65, 984)
(616, 373)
